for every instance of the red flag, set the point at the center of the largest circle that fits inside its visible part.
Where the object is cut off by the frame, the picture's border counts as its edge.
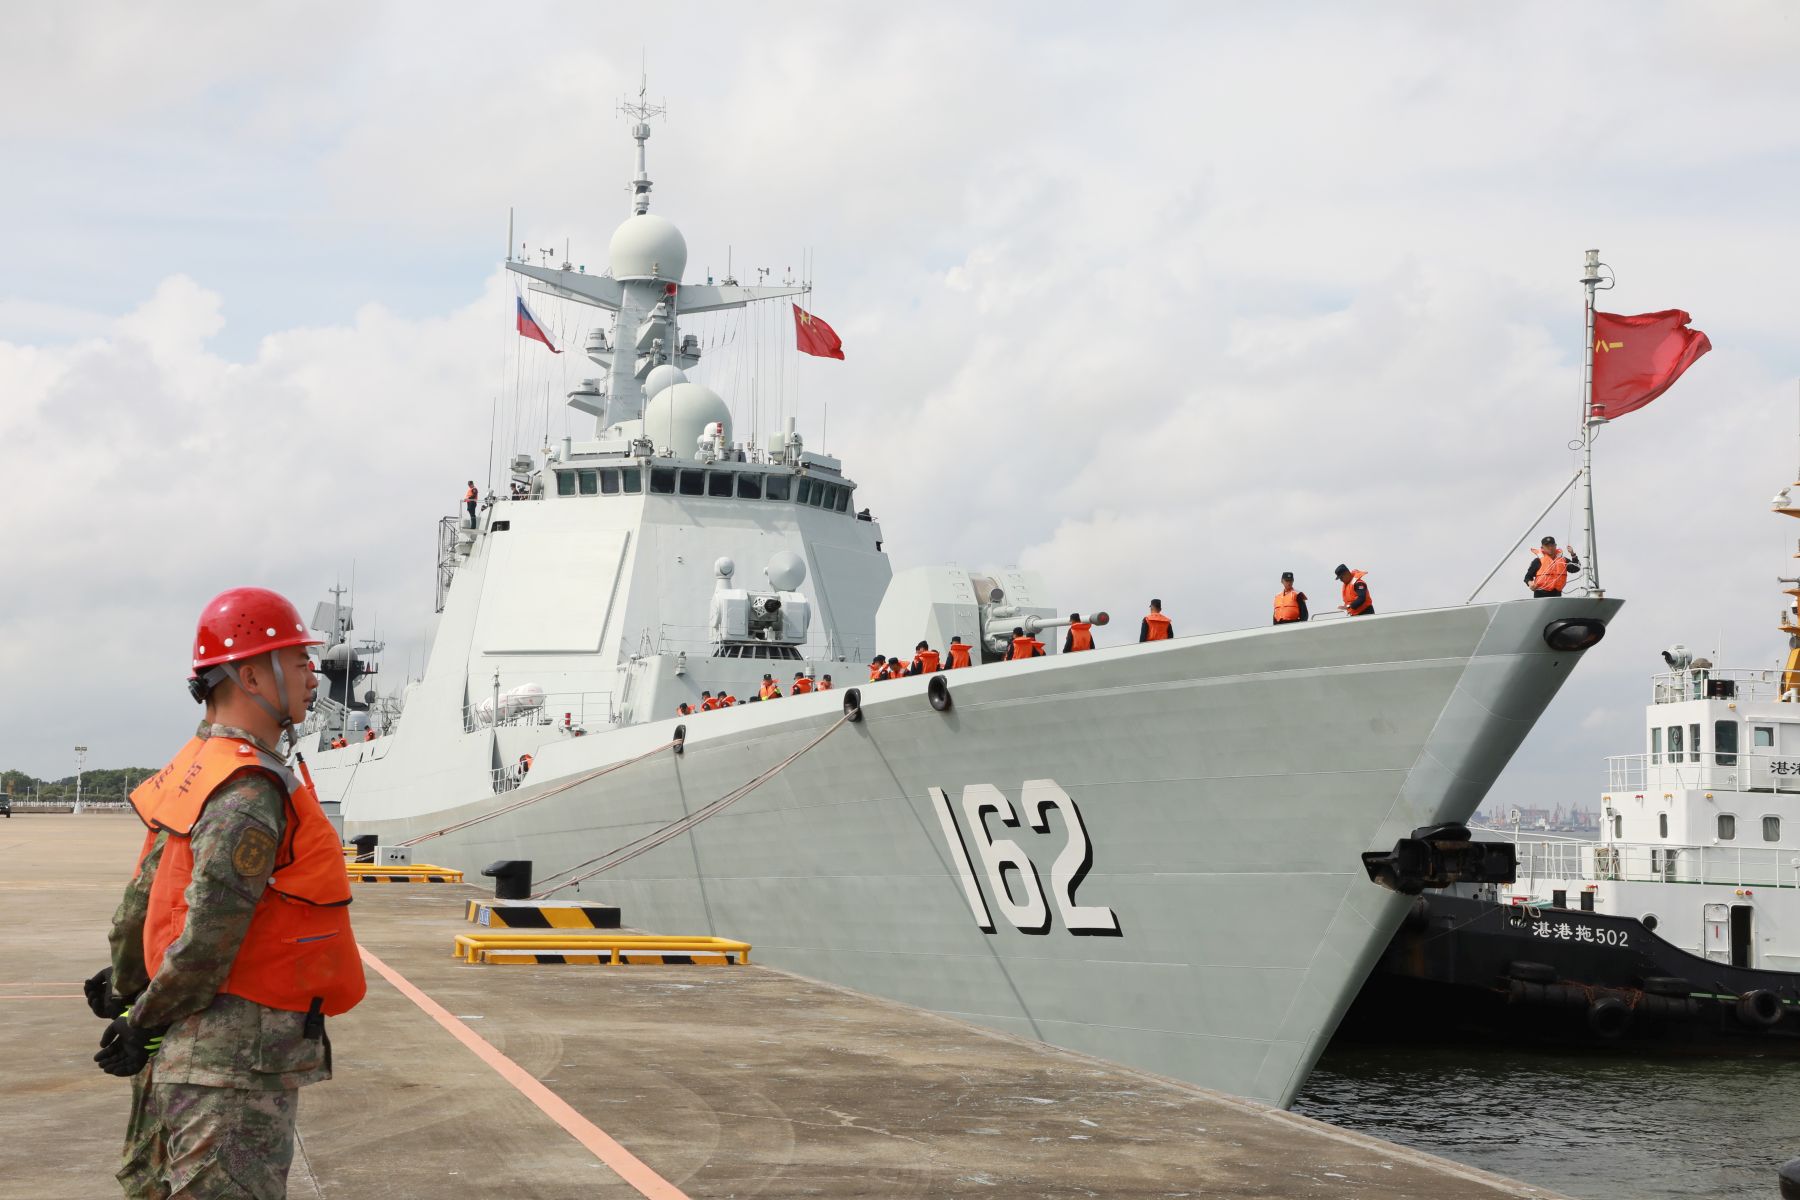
(1637, 358)
(814, 336)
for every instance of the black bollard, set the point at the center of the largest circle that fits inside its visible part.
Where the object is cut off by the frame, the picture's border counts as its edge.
(512, 878)
(1790, 1179)
(365, 847)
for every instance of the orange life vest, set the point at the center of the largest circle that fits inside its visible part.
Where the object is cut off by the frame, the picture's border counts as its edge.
(1159, 627)
(727, 701)
(1287, 606)
(684, 710)
(928, 661)
(959, 655)
(1350, 601)
(895, 669)
(1021, 647)
(525, 760)
(368, 735)
(801, 686)
(1081, 636)
(708, 704)
(469, 495)
(825, 685)
(769, 691)
(877, 671)
(1553, 571)
(299, 947)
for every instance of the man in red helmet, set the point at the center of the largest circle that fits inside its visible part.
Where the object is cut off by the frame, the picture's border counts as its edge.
(233, 941)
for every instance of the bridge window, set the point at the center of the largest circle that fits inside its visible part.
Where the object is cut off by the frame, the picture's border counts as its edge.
(662, 480)
(1656, 746)
(590, 483)
(843, 499)
(609, 483)
(1674, 743)
(749, 487)
(1771, 829)
(1725, 743)
(1693, 743)
(693, 483)
(803, 490)
(1727, 827)
(776, 487)
(817, 499)
(565, 483)
(718, 483)
(1764, 737)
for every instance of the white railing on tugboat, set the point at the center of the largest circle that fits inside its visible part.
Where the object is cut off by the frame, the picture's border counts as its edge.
(568, 710)
(1575, 860)
(1673, 687)
(1720, 771)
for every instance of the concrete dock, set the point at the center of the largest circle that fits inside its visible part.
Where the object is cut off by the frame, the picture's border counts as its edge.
(553, 1081)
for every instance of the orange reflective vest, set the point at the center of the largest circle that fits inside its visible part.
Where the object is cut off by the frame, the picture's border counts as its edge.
(877, 671)
(469, 495)
(928, 661)
(1287, 606)
(959, 655)
(1552, 573)
(1351, 604)
(1159, 627)
(299, 948)
(769, 691)
(801, 686)
(1081, 636)
(1021, 647)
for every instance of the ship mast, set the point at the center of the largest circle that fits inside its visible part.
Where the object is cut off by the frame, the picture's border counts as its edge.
(1787, 505)
(1590, 281)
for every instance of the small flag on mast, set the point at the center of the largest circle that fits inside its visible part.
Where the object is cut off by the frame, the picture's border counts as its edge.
(1637, 358)
(814, 336)
(529, 327)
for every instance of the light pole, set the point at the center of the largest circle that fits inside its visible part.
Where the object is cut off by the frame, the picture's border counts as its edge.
(80, 763)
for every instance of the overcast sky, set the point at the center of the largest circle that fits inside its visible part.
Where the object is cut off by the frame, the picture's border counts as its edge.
(1157, 299)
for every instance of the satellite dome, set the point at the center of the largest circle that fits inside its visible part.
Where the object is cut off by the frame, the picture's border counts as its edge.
(786, 570)
(677, 416)
(661, 377)
(647, 246)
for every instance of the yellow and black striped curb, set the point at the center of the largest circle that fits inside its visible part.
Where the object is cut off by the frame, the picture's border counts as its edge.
(543, 914)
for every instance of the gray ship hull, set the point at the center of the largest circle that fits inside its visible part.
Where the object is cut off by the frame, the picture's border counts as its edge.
(1224, 787)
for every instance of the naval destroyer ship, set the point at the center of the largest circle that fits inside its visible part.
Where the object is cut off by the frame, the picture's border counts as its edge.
(1152, 852)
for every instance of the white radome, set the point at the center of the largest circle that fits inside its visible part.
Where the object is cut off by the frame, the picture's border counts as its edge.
(678, 414)
(647, 246)
(661, 377)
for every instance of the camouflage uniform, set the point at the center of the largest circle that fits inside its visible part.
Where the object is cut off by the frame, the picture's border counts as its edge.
(216, 1118)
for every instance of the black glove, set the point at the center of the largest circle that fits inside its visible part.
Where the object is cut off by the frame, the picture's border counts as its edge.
(100, 999)
(125, 1049)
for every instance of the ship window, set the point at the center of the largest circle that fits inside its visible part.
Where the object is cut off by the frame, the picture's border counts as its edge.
(565, 483)
(609, 483)
(1662, 824)
(803, 490)
(1725, 743)
(718, 483)
(843, 499)
(750, 487)
(693, 483)
(1674, 743)
(633, 479)
(1656, 746)
(1727, 827)
(1771, 829)
(1764, 737)
(1693, 743)
(662, 480)
(590, 484)
(818, 494)
(776, 488)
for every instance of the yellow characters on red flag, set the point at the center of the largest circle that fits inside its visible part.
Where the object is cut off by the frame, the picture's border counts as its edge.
(1637, 358)
(814, 336)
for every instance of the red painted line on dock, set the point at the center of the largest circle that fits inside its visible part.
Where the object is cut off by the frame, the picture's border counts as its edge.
(624, 1163)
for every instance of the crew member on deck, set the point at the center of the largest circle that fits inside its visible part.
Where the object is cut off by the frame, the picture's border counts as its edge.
(1080, 635)
(1155, 626)
(469, 498)
(708, 702)
(1290, 606)
(925, 660)
(896, 667)
(1356, 593)
(802, 684)
(825, 684)
(1024, 645)
(770, 690)
(959, 654)
(369, 734)
(878, 668)
(1549, 571)
(684, 709)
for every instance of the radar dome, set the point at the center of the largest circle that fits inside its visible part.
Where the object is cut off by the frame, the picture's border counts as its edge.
(647, 246)
(677, 416)
(661, 377)
(786, 571)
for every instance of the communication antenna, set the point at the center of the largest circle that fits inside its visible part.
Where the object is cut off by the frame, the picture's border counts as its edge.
(640, 113)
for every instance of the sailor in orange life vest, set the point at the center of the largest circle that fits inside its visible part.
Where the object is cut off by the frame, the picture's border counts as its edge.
(1290, 606)
(1356, 593)
(469, 498)
(1155, 626)
(770, 690)
(802, 684)
(925, 660)
(1549, 571)
(233, 942)
(1080, 635)
(959, 654)
(825, 684)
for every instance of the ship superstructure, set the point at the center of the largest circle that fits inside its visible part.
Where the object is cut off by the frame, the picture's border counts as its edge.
(1151, 852)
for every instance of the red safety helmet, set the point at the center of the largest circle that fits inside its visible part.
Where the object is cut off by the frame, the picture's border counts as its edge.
(244, 622)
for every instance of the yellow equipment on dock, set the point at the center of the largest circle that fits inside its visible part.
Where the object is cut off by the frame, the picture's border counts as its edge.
(599, 949)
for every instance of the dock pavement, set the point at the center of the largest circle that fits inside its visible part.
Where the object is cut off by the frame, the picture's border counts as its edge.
(624, 1081)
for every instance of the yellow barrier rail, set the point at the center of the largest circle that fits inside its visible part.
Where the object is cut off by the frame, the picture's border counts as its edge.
(413, 873)
(597, 947)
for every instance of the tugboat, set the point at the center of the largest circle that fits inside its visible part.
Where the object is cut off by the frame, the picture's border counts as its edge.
(1121, 850)
(1679, 927)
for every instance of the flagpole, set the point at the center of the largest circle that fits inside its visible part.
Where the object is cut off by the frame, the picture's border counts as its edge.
(1590, 279)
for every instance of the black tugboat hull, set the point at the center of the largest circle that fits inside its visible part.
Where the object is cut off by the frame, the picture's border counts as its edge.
(1462, 967)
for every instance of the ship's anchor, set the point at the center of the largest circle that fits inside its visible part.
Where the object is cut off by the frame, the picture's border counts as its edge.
(1436, 856)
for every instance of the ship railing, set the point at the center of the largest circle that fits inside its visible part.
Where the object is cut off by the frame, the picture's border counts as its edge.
(1701, 683)
(505, 779)
(1725, 771)
(571, 710)
(1638, 862)
(696, 641)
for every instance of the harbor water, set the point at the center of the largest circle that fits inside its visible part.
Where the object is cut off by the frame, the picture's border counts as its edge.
(1600, 1127)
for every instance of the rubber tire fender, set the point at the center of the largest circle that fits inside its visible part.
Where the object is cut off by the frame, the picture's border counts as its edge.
(1609, 1017)
(938, 692)
(1668, 985)
(1759, 1008)
(1531, 972)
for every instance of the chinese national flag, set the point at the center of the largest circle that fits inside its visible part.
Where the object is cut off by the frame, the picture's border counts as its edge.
(1637, 358)
(814, 336)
